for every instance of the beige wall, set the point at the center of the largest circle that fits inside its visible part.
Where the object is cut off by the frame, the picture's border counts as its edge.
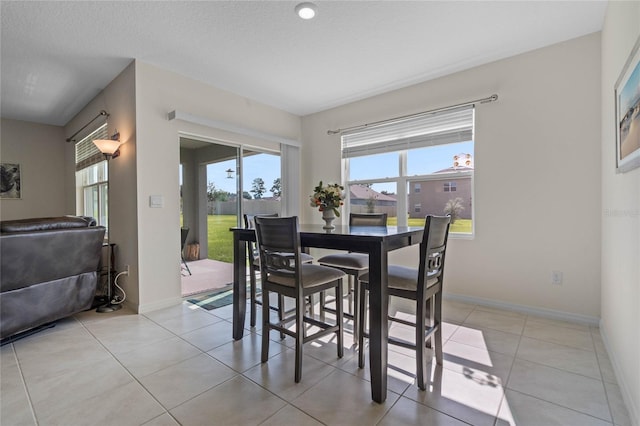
(118, 99)
(40, 151)
(159, 92)
(620, 217)
(532, 217)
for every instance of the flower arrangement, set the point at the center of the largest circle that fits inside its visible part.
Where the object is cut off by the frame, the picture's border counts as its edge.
(327, 197)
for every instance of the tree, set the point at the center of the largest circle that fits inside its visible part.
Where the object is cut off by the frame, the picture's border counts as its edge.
(214, 194)
(371, 204)
(246, 195)
(454, 207)
(276, 189)
(258, 188)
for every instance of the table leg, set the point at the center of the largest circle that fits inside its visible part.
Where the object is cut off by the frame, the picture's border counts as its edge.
(239, 285)
(378, 324)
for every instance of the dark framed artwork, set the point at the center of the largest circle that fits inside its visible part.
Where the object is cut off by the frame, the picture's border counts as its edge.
(10, 182)
(627, 92)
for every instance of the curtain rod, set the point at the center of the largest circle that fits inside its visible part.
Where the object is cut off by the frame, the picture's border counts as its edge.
(491, 98)
(102, 113)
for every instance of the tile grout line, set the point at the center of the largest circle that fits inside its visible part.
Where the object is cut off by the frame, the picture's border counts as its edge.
(560, 369)
(131, 374)
(513, 363)
(24, 384)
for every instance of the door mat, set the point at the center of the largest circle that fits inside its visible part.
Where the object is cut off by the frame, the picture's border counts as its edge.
(216, 299)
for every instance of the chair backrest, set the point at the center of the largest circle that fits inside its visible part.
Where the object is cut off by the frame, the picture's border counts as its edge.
(433, 249)
(184, 233)
(368, 219)
(279, 246)
(250, 219)
(250, 222)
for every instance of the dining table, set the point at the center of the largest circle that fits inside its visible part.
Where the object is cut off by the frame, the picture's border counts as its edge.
(377, 242)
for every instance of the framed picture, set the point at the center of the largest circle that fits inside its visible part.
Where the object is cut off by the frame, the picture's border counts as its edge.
(10, 188)
(627, 91)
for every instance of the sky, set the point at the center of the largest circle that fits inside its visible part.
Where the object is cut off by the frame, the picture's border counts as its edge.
(419, 162)
(630, 93)
(267, 166)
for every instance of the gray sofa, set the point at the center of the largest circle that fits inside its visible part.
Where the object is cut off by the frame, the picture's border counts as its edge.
(49, 270)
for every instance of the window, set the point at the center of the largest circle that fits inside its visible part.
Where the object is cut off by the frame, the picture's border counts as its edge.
(410, 167)
(92, 175)
(449, 187)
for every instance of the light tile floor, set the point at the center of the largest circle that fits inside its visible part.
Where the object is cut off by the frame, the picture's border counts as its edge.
(180, 366)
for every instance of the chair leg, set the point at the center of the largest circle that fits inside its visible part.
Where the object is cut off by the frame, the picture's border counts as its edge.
(253, 291)
(356, 309)
(438, 323)
(299, 337)
(340, 320)
(363, 297)
(350, 293)
(322, 302)
(281, 312)
(265, 326)
(420, 345)
(311, 305)
(185, 265)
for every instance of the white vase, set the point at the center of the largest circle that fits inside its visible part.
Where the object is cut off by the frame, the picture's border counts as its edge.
(328, 215)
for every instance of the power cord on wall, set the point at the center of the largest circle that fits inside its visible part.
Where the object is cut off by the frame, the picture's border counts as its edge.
(116, 298)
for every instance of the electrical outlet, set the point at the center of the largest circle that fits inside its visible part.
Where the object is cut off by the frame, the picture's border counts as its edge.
(126, 268)
(556, 277)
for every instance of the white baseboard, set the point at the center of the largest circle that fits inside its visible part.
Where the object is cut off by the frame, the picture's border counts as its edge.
(541, 312)
(632, 405)
(161, 304)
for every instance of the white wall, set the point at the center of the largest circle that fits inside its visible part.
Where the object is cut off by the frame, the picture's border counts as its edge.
(548, 114)
(620, 214)
(159, 92)
(40, 151)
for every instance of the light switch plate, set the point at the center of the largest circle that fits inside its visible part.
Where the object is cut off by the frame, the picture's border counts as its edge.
(156, 201)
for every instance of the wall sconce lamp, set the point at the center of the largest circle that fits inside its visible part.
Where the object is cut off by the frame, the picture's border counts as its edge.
(229, 173)
(109, 147)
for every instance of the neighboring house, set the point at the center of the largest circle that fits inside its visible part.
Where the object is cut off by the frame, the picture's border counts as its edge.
(430, 196)
(365, 200)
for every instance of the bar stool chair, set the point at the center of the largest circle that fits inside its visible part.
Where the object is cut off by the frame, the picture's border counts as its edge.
(254, 258)
(424, 286)
(283, 272)
(354, 265)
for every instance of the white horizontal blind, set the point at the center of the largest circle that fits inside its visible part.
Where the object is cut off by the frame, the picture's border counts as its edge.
(436, 128)
(87, 154)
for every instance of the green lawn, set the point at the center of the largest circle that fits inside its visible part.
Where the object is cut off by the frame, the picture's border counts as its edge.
(461, 225)
(221, 240)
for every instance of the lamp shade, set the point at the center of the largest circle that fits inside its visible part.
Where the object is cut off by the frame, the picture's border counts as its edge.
(107, 146)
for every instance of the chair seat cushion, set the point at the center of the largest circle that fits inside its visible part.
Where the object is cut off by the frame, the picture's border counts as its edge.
(312, 275)
(402, 278)
(357, 261)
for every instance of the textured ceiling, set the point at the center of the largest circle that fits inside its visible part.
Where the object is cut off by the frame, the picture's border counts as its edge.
(56, 56)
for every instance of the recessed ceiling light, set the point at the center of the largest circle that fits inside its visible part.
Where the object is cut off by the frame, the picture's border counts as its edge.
(306, 10)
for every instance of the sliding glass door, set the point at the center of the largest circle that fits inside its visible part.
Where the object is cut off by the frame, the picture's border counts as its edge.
(221, 182)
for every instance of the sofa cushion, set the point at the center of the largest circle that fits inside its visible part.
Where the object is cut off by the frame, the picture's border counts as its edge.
(45, 223)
